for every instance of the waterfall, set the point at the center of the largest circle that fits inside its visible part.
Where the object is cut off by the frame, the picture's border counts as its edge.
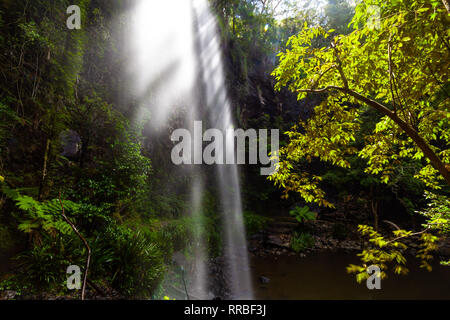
(220, 116)
(176, 62)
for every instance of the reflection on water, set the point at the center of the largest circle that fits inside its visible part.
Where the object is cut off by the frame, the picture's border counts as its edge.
(324, 276)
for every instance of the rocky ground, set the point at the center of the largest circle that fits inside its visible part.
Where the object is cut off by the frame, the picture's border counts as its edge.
(330, 234)
(275, 239)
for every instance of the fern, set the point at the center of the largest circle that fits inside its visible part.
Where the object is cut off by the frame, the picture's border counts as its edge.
(38, 216)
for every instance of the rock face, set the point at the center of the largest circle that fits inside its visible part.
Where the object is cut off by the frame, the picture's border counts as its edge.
(278, 241)
(8, 295)
(264, 280)
(218, 279)
(71, 144)
(179, 259)
(444, 248)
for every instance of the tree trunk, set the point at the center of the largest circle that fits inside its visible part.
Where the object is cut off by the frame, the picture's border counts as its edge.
(374, 205)
(44, 170)
(409, 130)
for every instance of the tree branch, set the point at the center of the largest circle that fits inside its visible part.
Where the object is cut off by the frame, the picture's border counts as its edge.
(392, 224)
(446, 5)
(409, 235)
(328, 88)
(390, 74)
(436, 162)
(88, 259)
(316, 82)
(339, 65)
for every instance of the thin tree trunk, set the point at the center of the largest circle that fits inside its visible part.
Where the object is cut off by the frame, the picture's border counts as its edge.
(410, 131)
(88, 258)
(44, 170)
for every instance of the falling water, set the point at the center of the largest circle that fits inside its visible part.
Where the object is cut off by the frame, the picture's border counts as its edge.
(176, 62)
(220, 114)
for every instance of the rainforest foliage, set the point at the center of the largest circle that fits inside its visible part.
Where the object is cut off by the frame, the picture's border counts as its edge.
(397, 65)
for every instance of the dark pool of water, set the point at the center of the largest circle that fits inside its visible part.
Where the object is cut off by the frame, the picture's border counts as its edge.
(324, 276)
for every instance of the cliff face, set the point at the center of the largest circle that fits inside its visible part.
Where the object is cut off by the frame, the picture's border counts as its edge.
(258, 106)
(251, 86)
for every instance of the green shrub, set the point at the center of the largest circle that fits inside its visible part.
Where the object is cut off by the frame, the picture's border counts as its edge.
(43, 217)
(12, 283)
(42, 268)
(254, 222)
(303, 214)
(178, 232)
(301, 241)
(169, 237)
(185, 233)
(102, 257)
(137, 265)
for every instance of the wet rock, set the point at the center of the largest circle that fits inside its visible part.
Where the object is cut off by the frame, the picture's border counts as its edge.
(218, 278)
(444, 248)
(8, 295)
(278, 241)
(258, 236)
(349, 246)
(264, 280)
(279, 230)
(179, 259)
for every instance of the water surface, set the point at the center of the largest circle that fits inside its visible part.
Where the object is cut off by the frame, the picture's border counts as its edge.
(323, 276)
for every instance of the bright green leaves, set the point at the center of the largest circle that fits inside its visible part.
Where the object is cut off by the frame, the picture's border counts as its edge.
(380, 252)
(31, 33)
(328, 136)
(305, 184)
(390, 252)
(427, 247)
(385, 148)
(300, 60)
(384, 252)
(402, 64)
(437, 213)
(37, 216)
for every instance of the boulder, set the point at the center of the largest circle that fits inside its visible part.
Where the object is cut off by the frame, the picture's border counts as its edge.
(264, 280)
(71, 144)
